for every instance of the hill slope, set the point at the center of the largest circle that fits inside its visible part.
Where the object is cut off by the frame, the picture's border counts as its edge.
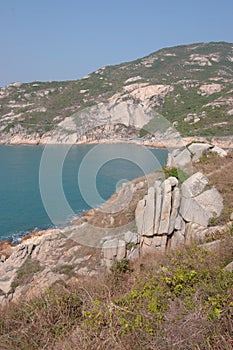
(191, 86)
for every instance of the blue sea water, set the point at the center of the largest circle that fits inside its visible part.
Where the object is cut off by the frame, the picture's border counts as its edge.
(87, 174)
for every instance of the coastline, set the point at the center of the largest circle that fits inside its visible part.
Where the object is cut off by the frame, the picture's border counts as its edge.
(225, 142)
(219, 141)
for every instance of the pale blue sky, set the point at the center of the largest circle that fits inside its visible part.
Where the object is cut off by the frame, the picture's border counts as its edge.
(67, 39)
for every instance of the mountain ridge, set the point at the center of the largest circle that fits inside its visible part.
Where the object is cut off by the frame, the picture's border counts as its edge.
(189, 85)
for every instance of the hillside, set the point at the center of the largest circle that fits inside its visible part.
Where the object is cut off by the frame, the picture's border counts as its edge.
(191, 86)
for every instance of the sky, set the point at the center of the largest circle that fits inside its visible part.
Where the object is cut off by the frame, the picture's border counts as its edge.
(67, 39)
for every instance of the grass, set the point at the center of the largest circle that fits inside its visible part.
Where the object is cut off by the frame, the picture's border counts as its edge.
(181, 301)
(25, 273)
(64, 98)
(219, 171)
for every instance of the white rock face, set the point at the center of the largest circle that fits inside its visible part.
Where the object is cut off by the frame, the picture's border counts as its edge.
(197, 149)
(183, 158)
(166, 207)
(149, 213)
(158, 204)
(194, 185)
(174, 211)
(131, 237)
(209, 89)
(197, 205)
(139, 216)
(180, 159)
(219, 151)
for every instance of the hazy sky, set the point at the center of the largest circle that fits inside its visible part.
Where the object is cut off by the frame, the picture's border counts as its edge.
(67, 39)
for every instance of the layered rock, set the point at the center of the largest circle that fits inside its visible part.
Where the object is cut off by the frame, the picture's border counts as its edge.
(170, 215)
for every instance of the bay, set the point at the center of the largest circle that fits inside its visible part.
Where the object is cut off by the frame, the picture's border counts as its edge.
(83, 170)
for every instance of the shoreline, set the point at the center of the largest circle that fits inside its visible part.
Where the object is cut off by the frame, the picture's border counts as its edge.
(149, 144)
(225, 142)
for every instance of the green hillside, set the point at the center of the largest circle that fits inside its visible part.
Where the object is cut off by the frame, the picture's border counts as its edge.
(199, 101)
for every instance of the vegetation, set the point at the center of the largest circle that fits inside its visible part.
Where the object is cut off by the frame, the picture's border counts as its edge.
(167, 66)
(26, 273)
(175, 172)
(219, 171)
(181, 301)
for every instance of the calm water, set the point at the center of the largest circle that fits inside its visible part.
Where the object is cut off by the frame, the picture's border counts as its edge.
(29, 194)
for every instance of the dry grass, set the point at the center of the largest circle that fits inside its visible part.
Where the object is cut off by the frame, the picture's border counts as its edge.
(181, 301)
(220, 173)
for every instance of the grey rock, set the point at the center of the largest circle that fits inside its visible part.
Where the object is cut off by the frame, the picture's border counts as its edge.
(221, 152)
(202, 208)
(160, 242)
(177, 240)
(197, 205)
(134, 254)
(231, 217)
(158, 205)
(194, 185)
(197, 150)
(139, 216)
(83, 271)
(195, 233)
(173, 181)
(212, 247)
(148, 241)
(175, 207)
(181, 159)
(148, 220)
(121, 250)
(180, 224)
(166, 207)
(131, 237)
(109, 248)
(9, 268)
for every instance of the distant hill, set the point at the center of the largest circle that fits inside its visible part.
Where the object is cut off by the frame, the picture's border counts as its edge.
(190, 85)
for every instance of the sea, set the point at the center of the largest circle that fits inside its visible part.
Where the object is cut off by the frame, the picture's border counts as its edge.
(47, 186)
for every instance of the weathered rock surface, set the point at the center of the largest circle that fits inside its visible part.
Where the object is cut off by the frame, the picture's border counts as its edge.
(167, 216)
(197, 149)
(183, 158)
(113, 250)
(197, 205)
(39, 262)
(180, 215)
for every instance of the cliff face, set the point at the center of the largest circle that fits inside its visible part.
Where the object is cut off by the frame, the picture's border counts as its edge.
(190, 86)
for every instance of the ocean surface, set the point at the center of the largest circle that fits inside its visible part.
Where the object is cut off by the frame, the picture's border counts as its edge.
(44, 186)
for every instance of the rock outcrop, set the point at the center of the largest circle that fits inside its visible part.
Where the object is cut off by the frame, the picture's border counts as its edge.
(183, 158)
(163, 217)
(168, 217)
(41, 261)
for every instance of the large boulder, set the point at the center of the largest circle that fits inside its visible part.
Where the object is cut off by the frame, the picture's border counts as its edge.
(181, 159)
(197, 150)
(197, 205)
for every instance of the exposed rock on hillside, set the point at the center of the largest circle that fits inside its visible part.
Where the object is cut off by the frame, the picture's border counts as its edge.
(183, 158)
(175, 208)
(149, 214)
(191, 86)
